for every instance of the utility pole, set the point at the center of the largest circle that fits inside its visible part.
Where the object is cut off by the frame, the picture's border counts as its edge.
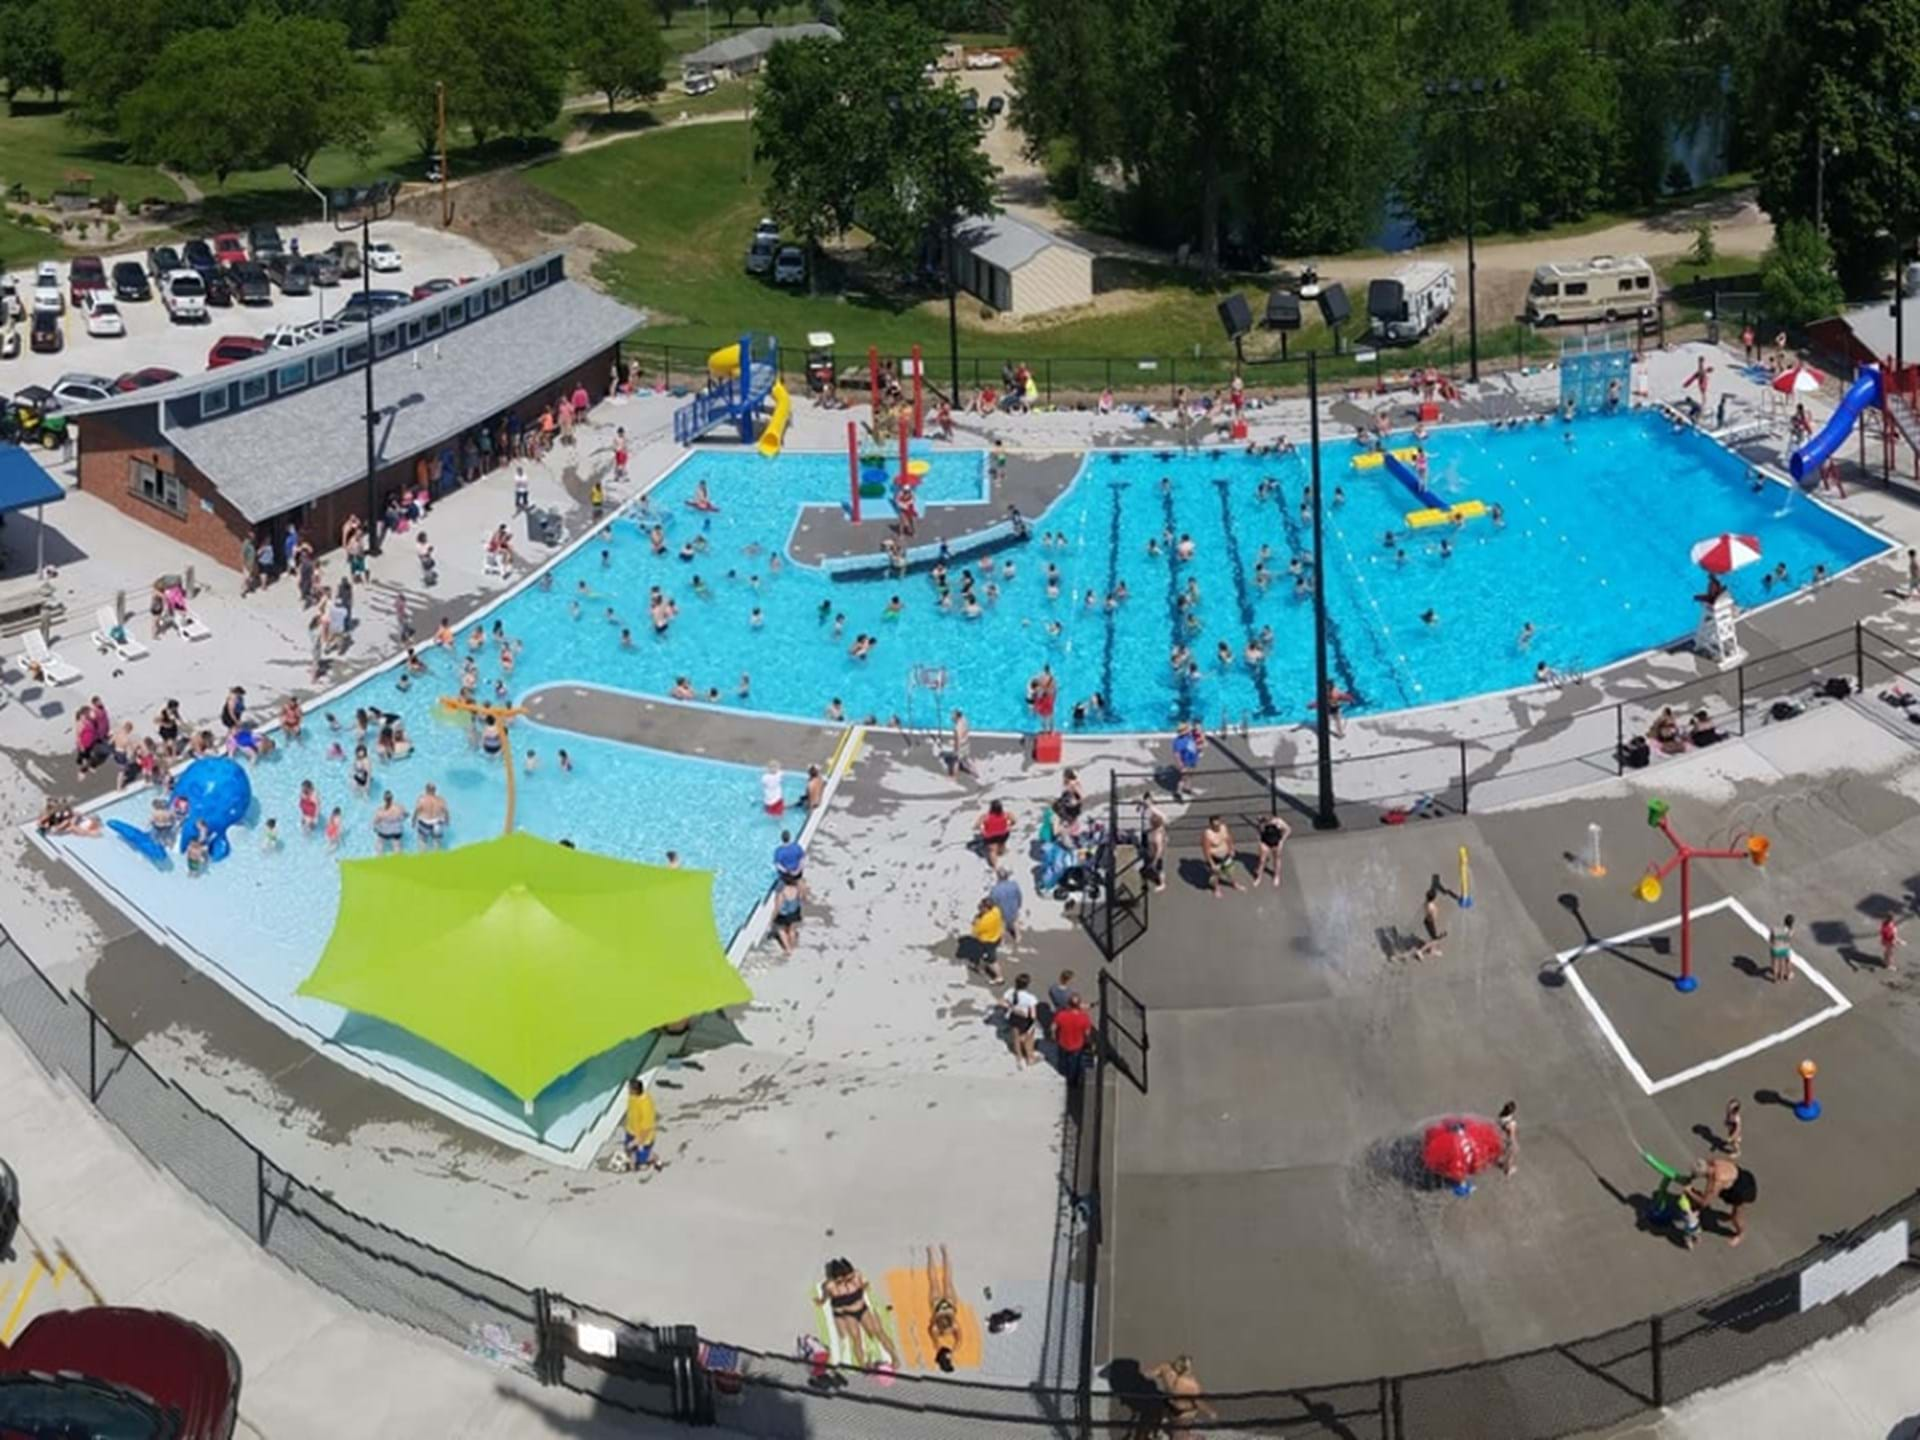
(1325, 816)
(440, 120)
(1468, 98)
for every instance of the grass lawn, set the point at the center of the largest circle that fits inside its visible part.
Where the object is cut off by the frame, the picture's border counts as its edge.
(38, 147)
(683, 198)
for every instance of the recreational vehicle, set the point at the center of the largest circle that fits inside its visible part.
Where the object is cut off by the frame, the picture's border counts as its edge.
(1406, 307)
(1606, 287)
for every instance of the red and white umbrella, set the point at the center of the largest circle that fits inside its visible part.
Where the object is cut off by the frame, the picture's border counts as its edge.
(1798, 380)
(1726, 553)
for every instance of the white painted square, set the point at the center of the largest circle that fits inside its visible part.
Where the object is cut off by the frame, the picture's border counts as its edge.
(1840, 1004)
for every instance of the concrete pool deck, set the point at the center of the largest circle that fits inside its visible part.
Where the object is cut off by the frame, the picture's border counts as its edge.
(820, 1122)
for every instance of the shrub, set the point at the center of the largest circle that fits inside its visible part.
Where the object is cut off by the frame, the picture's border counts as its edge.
(1797, 275)
(1703, 251)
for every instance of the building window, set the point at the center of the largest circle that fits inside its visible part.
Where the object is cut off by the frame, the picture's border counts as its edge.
(214, 402)
(496, 295)
(413, 332)
(541, 276)
(516, 285)
(253, 390)
(326, 364)
(290, 377)
(354, 356)
(432, 321)
(157, 487)
(385, 342)
(456, 314)
(476, 304)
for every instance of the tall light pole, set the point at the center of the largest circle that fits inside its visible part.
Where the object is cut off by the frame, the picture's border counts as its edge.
(1469, 98)
(357, 209)
(1324, 816)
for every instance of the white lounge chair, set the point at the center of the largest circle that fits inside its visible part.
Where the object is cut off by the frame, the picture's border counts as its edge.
(191, 625)
(40, 661)
(106, 623)
(496, 563)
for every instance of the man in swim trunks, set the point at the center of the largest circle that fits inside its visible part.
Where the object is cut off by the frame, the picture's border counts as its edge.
(430, 818)
(1735, 1187)
(389, 825)
(1216, 845)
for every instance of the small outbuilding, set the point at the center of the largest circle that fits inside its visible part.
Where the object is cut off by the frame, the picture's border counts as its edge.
(746, 52)
(1020, 269)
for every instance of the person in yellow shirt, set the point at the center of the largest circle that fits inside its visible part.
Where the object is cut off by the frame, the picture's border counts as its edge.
(642, 1125)
(989, 928)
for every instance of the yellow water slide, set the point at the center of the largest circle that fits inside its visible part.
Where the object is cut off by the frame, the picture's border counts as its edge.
(725, 363)
(776, 430)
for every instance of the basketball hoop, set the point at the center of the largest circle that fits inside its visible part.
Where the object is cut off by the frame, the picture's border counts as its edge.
(930, 677)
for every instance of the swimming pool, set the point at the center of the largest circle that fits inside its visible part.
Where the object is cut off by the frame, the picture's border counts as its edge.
(258, 921)
(1592, 553)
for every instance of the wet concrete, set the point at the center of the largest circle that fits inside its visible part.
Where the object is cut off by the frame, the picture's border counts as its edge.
(1032, 482)
(682, 729)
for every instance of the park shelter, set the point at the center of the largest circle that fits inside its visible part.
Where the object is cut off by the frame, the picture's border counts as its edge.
(746, 52)
(25, 485)
(523, 958)
(1020, 269)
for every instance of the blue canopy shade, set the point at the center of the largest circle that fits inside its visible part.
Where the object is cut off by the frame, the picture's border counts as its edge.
(23, 484)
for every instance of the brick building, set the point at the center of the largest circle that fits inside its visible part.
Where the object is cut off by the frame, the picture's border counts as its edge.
(243, 450)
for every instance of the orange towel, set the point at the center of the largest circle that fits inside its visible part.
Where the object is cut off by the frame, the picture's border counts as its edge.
(913, 1312)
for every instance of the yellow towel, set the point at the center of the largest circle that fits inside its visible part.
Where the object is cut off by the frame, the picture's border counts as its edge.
(913, 1313)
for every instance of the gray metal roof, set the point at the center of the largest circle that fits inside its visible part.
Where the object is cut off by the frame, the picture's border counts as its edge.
(1009, 243)
(273, 456)
(757, 41)
(1872, 325)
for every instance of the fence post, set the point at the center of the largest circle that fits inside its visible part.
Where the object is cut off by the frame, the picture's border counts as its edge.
(1859, 658)
(1273, 789)
(666, 368)
(1399, 1429)
(1657, 1347)
(93, 1068)
(1046, 366)
(1464, 805)
(1740, 678)
(260, 1198)
(1619, 739)
(1386, 1423)
(1109, 372)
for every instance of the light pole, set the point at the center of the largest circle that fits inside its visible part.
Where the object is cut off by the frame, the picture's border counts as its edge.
(1468, 98)
(1324, 816)
(368, 203)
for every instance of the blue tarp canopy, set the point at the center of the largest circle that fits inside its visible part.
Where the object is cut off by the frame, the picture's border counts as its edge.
(23, 484)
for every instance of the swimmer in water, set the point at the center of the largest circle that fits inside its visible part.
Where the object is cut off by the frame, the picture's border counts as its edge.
(1430, 616)
(1223, 652)
(1526, 636)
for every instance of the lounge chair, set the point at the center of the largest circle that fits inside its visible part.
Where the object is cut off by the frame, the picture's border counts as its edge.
(106, 624)
(191, 625)
(496, 563)
(40, 662)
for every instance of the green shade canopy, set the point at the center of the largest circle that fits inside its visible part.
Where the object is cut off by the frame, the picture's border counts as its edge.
(521, 957)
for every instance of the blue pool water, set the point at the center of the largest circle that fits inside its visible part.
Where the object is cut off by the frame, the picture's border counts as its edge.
(263, 919)
(1593, 553)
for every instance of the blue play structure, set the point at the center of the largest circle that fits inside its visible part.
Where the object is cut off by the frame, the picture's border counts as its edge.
(1806, 461)
(1405, 474)
(141, 840)
(214, 790)
(739, 384)
(1594, 368)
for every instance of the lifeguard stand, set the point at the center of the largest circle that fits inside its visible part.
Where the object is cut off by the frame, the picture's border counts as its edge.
(1590, 365)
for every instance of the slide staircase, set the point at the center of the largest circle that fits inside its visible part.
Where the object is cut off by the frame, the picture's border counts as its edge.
(727, 400)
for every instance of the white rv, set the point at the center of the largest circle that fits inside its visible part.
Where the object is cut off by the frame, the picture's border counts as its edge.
(1406, 307)
(1605, 287)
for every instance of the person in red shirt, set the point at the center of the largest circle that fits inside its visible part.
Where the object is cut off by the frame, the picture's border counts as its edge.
(993, 829)
(1072, 1032)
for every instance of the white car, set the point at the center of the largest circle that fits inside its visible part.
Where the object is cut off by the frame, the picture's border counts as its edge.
(48, 297)
(103, 315)
(984, 60)
(9, 340)
(286, 337)
(185, 295)
(10, 306)
(382, 257)
(78, 388)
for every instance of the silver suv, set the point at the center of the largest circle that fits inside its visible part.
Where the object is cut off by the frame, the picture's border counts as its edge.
(760, 254)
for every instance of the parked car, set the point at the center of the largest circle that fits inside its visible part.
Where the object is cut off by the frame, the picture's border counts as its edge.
(382, 258)
(286, 337)
(790, 266)
(437, 286)
(103, 315)
(379, 302)
(322, 269)
(263, 242)
(249, 280)
(219, 288)
(321, 329)
(700, 82)
(231, 349)
(768, 227)
(141, 379)
(44, 337)
(10, 306)
(760, 254)
(9, 343)
(84, 276)
(47, 294)
(199, 256)
(228, 249)
(345, 254)
(130, 282)
(107, 1370)
(185, 295)
(76, 387)
(162, 261)
(984, 60)
(290, 273)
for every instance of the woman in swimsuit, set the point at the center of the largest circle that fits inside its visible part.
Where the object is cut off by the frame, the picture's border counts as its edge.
(1273, 838)
(362, 769)
(845, 1294)
(389, 825)
(943, 1323)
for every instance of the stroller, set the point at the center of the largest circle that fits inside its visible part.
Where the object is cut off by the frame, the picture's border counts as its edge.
(1073, 865)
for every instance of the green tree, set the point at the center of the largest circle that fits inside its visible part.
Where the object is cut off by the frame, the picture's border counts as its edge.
(29, 55)
(429, 48)
(502, 63)
(1797, 276)
(617, 48)
(762, 9)
(270, 91)
(1066, 85)
(107, 54)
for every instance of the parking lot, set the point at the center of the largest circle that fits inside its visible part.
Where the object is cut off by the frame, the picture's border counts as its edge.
(152, 339)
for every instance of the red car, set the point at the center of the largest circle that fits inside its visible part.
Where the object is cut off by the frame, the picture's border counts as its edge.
(130, 1374)
(228, 249)
(432, 287)
(231, 349)
(141, 379)
(85, 274)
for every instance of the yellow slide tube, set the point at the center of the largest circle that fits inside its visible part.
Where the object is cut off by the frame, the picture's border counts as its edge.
(724, 363)
(776, 430)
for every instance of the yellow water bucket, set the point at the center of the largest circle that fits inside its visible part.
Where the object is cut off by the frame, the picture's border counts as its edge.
(1648, 889)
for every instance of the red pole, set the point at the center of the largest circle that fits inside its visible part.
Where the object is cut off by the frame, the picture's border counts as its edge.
(873, 380)
(1686, 980)
(853, 470)
(905, 479)
(917, 408)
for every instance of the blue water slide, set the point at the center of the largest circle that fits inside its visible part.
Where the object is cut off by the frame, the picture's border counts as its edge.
(1400, 471)
(1865, 390)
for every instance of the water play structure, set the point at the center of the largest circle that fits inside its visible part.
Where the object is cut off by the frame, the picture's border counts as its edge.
(740, 383)
(1865, 393)
(213, 791)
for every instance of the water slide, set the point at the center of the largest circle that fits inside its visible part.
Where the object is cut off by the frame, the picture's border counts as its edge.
(776, 430)
(1402, 472)
(725, 363)
(1806, 461)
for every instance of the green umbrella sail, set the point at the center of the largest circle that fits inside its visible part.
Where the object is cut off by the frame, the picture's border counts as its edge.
(521, 957)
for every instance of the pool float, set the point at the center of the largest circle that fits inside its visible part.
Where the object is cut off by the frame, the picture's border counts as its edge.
(141, 840)
(216, 792)
(1465, 510)
(917, 471)
(1374, 459)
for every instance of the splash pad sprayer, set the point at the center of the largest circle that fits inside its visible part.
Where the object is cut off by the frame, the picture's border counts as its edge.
(1808, 1108)
(1591, 860)
(1466, 881)
(1752, 848)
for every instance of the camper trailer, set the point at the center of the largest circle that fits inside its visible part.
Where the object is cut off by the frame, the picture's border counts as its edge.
(1406, 307)
(1605, 287)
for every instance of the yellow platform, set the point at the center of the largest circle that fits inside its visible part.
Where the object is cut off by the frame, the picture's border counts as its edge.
(1373, 459)
(1465, 510)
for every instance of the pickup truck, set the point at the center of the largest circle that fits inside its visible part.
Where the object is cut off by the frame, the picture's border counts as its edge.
(184, 294)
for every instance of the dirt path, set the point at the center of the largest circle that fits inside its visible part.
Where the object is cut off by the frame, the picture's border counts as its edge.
(193, 193)
(578, 139)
